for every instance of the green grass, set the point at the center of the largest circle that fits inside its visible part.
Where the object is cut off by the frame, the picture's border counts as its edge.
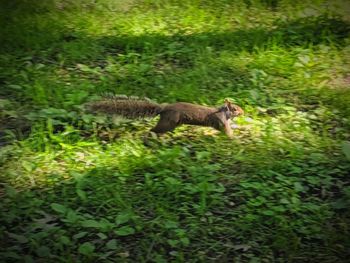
(77, 187)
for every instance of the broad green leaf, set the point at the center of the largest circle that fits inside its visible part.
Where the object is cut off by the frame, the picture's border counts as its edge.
(203, 155)
(172, 181)
(87, 118)
(43, 251)
(241, 247)
(83, 67)
(125, 231)
(86, 249)
(65, 240)
(10, 191)
(123, 217)
(91, 223)
(185, 241)
(284, 201)
(304, 59)
(28, 259)
(81, 194)
(11, 255)
(346, 149)
(268, 213)
(72, 217)
(80, 235)
(27, 166)
(112, 244)
(59, 208)
(341, 204)
(15, 87)
(170, 224)
(102, 236)
(20, 238)
(172, 242)
(102, 225)
(298, 187)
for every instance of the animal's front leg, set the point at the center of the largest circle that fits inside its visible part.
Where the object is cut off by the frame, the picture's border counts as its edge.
(228, 129)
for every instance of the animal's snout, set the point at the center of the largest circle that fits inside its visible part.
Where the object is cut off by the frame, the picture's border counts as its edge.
(237, 111)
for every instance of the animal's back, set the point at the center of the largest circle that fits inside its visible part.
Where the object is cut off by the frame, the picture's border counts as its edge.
(190, 113)
(188, 107)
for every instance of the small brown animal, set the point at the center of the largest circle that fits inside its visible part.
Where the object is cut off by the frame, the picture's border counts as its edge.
(171, 115)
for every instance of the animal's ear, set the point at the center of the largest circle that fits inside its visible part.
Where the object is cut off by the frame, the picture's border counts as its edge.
(228, 104)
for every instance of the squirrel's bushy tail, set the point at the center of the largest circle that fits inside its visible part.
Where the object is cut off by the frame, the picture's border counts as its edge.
(129, 107)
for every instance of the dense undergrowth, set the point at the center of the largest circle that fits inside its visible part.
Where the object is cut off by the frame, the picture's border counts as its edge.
(76, 187)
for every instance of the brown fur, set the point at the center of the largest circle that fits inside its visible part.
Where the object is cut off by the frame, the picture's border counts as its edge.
(171, 115)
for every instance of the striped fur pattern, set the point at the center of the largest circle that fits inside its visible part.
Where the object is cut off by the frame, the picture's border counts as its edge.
(129, 107)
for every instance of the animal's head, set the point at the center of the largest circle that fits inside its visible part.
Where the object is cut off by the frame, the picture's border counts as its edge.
(232, 109)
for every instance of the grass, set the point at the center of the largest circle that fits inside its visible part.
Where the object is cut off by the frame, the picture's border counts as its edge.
(77, 187)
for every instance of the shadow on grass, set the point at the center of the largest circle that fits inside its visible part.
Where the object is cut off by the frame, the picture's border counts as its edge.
(161, 212)
(101, 195)
(299, 32)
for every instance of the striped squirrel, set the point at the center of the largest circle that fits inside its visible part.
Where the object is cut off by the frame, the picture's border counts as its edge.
(171, 115)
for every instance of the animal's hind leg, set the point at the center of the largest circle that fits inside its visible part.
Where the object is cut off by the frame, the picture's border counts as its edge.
(168, 122)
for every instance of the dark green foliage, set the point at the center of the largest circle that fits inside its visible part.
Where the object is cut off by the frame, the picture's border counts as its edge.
(79, 187)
